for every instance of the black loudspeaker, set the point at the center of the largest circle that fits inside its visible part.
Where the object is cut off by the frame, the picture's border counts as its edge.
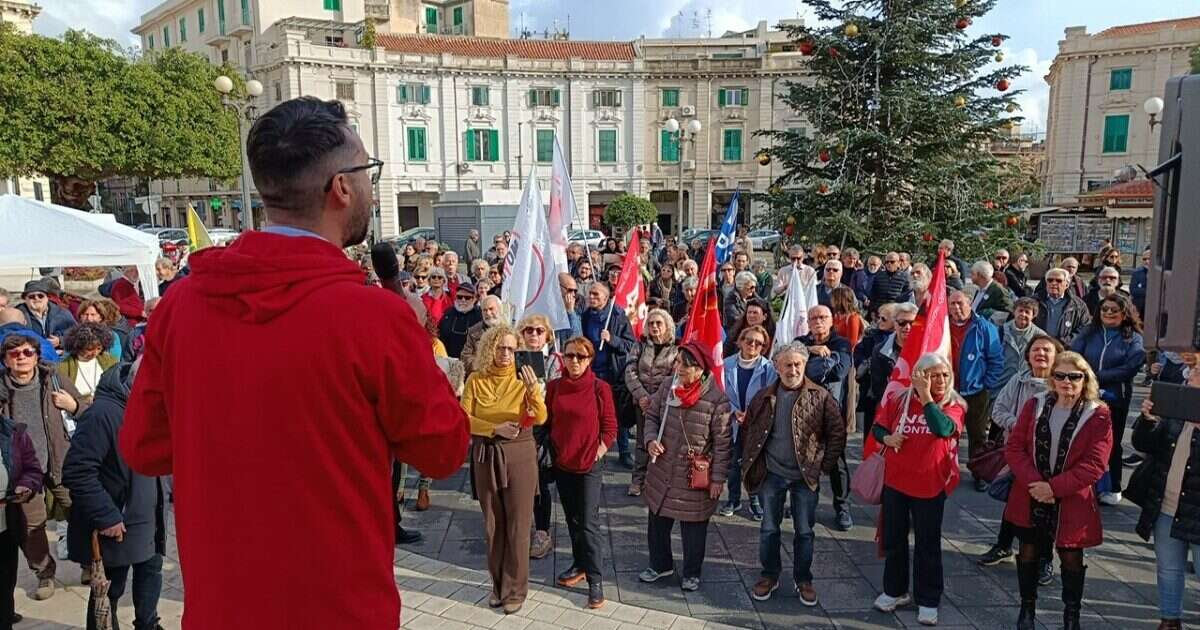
(1173, 295)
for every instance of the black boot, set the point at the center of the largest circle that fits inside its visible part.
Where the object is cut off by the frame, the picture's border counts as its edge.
(1027, 580)
(595, 594)
(1072, 596)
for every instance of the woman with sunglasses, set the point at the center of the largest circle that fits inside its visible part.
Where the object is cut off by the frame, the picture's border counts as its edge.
(536, 337)
(746, 373)
(1113, 348)
(687, 422)
(20, 476)
(648, 367)
(583, 426)
(437, 299)
(496, 277)
(1167, 487)
(1057, 452)
(758, 313)
(503, 405)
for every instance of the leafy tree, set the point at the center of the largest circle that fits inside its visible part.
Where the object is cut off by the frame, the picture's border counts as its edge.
(902, 112)
(80, 109)
(370, 36)
(629, 210)
(1196, 60)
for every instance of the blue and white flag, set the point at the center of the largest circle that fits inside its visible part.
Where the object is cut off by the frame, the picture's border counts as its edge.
(728, 230)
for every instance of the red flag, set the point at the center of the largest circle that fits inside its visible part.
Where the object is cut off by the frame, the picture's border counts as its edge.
(631, 290)
(704, 322)
(930, 333)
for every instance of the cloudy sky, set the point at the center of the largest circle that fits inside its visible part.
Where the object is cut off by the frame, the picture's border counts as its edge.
(1035, 26)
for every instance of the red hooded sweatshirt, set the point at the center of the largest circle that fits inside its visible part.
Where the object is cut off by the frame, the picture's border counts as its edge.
(277, 388)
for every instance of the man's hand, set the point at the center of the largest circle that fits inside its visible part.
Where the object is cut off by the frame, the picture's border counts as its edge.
(23, 494)
(605, 336)
(54, 341)
(1155, 369)
(1041, 492)
(820, 351)
(63, 400)
(740, 417)
(116, 531)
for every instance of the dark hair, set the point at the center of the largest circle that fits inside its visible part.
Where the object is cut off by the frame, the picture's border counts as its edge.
(16, 340)
(1027, 303)
(290, 150)
(1131, 322)
(86, 335)
(584, 342)
(1058, 347)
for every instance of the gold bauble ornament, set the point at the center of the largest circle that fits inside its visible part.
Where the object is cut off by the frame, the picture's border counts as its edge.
(852, 30)
(960, 101)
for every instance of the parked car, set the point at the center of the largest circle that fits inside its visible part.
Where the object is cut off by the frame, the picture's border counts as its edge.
(176, 236)
(764, 239)
(700, 235)
(223, 236)
(591, 238)
(407, 236)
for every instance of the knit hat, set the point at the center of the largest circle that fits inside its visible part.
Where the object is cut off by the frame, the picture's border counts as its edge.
(701, 354)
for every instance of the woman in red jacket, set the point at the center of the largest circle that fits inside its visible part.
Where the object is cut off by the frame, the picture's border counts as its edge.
(1057, 452)
(583, 425)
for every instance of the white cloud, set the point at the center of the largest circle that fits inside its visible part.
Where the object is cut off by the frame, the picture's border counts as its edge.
(1035, 102)
(111, 19)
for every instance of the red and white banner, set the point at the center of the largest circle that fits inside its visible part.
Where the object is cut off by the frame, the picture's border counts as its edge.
(562, 206)
(630, 293)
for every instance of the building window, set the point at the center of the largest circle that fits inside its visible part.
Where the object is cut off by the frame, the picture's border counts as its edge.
(1116, 133)
(731, 145)
(333, 5)
(482, 145)
(37, 191)
(458, 20)
(670, 97)
(344, 90)
(246, 13)
(607, 146)
(166, 37)
(149, 42)
(200, 21)
(544, 97)
(545, 145)
(606, 98)
(278, 92)
(182, 30)
(416, 144)
(412, 93)
(733, 97)
(669, 147)
(1121, 79)
(480, 95)
(221, 16)
(431, 20)
(335, 41)
(225, 55)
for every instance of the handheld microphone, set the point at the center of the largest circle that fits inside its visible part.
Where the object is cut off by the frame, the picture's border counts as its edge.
(387, 267)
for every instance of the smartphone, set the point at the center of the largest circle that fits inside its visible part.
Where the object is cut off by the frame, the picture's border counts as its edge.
(533, 359)
(1175, 401)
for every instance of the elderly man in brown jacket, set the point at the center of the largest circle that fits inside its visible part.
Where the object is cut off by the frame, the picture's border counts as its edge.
(794, 431)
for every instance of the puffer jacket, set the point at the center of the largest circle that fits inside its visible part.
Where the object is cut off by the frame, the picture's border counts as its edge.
(706, 424)
(818, 434)
(1014, 342)
(1114, 358)
(647, 369)
(1013, 396)
(1148, 484)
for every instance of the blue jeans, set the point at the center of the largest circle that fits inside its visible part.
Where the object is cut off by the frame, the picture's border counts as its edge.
(734, 480)
(1171, 556)
(147, 586)
(803, 502)
(623, 440)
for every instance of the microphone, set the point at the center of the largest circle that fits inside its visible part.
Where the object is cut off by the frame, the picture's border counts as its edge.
(387, 267)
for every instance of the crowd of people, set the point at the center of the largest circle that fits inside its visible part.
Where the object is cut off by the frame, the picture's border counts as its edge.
(99, 408)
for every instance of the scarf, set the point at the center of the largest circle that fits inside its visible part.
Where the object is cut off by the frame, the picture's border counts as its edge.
(1044, 516)
(689, 395)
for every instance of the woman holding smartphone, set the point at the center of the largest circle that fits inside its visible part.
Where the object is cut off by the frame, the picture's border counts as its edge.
(536, 337)
(1167, 487)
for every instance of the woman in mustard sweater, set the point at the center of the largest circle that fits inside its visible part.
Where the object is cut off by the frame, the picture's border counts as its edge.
(503, 407)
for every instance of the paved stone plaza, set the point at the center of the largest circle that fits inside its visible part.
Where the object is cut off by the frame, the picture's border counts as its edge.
(444, 586)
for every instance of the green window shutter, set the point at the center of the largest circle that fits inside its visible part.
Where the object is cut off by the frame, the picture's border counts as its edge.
(1121, 79)
(424, 94)
(469, 143)
(669, 151)
(458, 16)
(545, 145)
(607, 145)
(416, 144)
(150, 42)
(182, 29)
(200, 20)
(402, 93)
(745, 97)
(246, 13)
(595, 98)
(670, 98)
(732, 146)
(493, 145)
(554, 98)
(431, 20)
(166, 37)
(533, 98)
(221, 16)
(1116, 133)
(720, 98)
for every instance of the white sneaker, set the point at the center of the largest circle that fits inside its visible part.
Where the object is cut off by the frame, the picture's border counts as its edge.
(1110, 498)
(927, 616)
(887, 603)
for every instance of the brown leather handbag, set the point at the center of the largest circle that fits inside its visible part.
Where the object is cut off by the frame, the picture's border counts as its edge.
(699, 474)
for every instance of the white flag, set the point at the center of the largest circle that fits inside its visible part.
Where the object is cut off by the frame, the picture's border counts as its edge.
(530, 274)
(562, 206)
(793, 323)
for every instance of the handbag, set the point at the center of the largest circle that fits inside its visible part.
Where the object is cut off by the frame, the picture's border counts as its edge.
(867, 481)
(699, 474)
(999, 488)
(988, 461)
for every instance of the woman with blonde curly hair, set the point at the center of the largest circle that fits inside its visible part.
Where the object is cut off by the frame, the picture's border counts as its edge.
(503, 406)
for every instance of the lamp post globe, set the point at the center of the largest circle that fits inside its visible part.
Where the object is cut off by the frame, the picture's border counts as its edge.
(694, 126)
(672, 125)
(223, 84)
(1153, 106)
(254, 88)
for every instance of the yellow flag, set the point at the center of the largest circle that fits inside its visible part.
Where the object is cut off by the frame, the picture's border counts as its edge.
(197, 235)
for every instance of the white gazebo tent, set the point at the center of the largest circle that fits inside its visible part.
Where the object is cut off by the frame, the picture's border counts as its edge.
(39, 234)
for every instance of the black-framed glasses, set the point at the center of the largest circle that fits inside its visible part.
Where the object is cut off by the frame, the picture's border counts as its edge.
(372, 163)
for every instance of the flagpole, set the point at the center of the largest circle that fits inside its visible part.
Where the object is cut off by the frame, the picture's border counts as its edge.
(611, 304)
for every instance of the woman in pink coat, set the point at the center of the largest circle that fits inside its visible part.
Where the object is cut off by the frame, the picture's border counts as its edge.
(1057, 452)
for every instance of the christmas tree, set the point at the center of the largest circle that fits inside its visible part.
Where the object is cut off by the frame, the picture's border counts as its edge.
(903, 106)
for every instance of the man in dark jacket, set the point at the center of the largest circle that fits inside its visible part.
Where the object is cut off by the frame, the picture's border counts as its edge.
(991, 300)
(456, 322)
(124, 507)
(49, 320)
(1138, 283)
(609, 331)
(1062, 315)
(883, 359)
(829, 364)
(798, 434)
(489, 308)
(890, 284)
(1107, 282)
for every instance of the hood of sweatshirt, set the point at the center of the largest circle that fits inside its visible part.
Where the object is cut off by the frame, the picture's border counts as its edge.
(262, 275)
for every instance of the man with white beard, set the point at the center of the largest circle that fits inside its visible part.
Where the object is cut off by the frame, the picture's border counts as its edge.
(490, 307)
(456, 323)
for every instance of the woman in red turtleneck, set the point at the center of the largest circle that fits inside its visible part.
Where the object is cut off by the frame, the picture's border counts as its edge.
(583, 425)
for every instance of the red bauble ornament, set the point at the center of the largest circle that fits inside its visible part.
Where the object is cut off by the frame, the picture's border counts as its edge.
(789, 230)
(1012, 221)
(989, 204)
(823, 155)
(833, 52)
(822, 189)
(806, 48)
(927, 237)
(1002, 85)
(997, 40)
(962, 23)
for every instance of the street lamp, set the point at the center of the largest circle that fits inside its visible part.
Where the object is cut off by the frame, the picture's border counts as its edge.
(1154, 107)
(244, 107)
(682, 134)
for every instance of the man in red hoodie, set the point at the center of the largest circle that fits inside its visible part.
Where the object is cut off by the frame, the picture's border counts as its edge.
(278, 414)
